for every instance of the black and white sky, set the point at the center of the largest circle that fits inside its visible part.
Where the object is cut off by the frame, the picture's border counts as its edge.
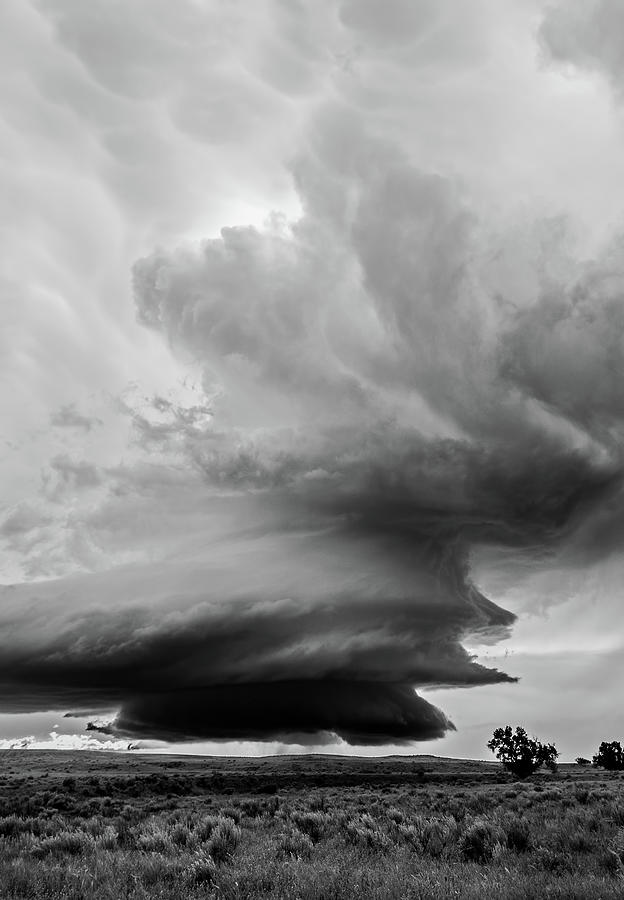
(312, 350)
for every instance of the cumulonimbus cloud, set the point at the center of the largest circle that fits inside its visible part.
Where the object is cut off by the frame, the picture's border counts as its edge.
(349, 329)
(377, 401)
(328, 626)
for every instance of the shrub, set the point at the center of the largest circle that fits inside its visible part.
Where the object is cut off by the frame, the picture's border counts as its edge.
(271, 806)
(12, 826)
(411, 834)
(252, 808)
(518, 836)
(480, 840)
(435, 836)
(396, 815)
(60, 801)
(156, 869)
(480, 802)
(69, 842)
(107, 839)
(201, 869)
(155, 838)
(182, 835)
(294, 843)
(314, 824)
(224, 840)
(552, 860)
(457, 808)
(231, 812)
(521, 754)
(365, 833)
(207, 825)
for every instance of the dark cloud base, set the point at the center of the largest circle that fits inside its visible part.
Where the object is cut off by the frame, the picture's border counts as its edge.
(294, 659)
(358, 712)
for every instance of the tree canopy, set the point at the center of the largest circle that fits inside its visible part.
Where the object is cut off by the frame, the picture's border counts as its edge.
(521, 754)
(610, 756)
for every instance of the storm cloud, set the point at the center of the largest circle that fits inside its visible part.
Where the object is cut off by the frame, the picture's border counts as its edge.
(394, 375)
(369, 423)
(330, 628)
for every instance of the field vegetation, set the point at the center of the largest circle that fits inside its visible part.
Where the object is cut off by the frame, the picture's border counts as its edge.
(108, 826)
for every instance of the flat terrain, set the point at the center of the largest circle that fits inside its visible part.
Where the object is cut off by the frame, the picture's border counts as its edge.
(110, 825)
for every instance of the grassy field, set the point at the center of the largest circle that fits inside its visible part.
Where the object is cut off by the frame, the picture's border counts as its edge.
(91, 825)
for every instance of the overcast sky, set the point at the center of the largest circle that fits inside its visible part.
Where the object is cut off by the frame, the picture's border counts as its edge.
(311, 333)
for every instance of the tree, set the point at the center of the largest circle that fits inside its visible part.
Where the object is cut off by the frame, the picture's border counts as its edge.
(610, 756)
(521, 754)
(581, 761)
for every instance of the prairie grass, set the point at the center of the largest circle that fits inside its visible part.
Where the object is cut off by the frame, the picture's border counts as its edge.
(553, 837)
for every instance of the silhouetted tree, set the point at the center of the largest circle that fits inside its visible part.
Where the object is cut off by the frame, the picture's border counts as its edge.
(610, 756)
(521, 754)
(581, 761)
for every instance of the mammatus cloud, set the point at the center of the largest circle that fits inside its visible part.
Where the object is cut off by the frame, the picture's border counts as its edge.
(586, 34)
(391, 379)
